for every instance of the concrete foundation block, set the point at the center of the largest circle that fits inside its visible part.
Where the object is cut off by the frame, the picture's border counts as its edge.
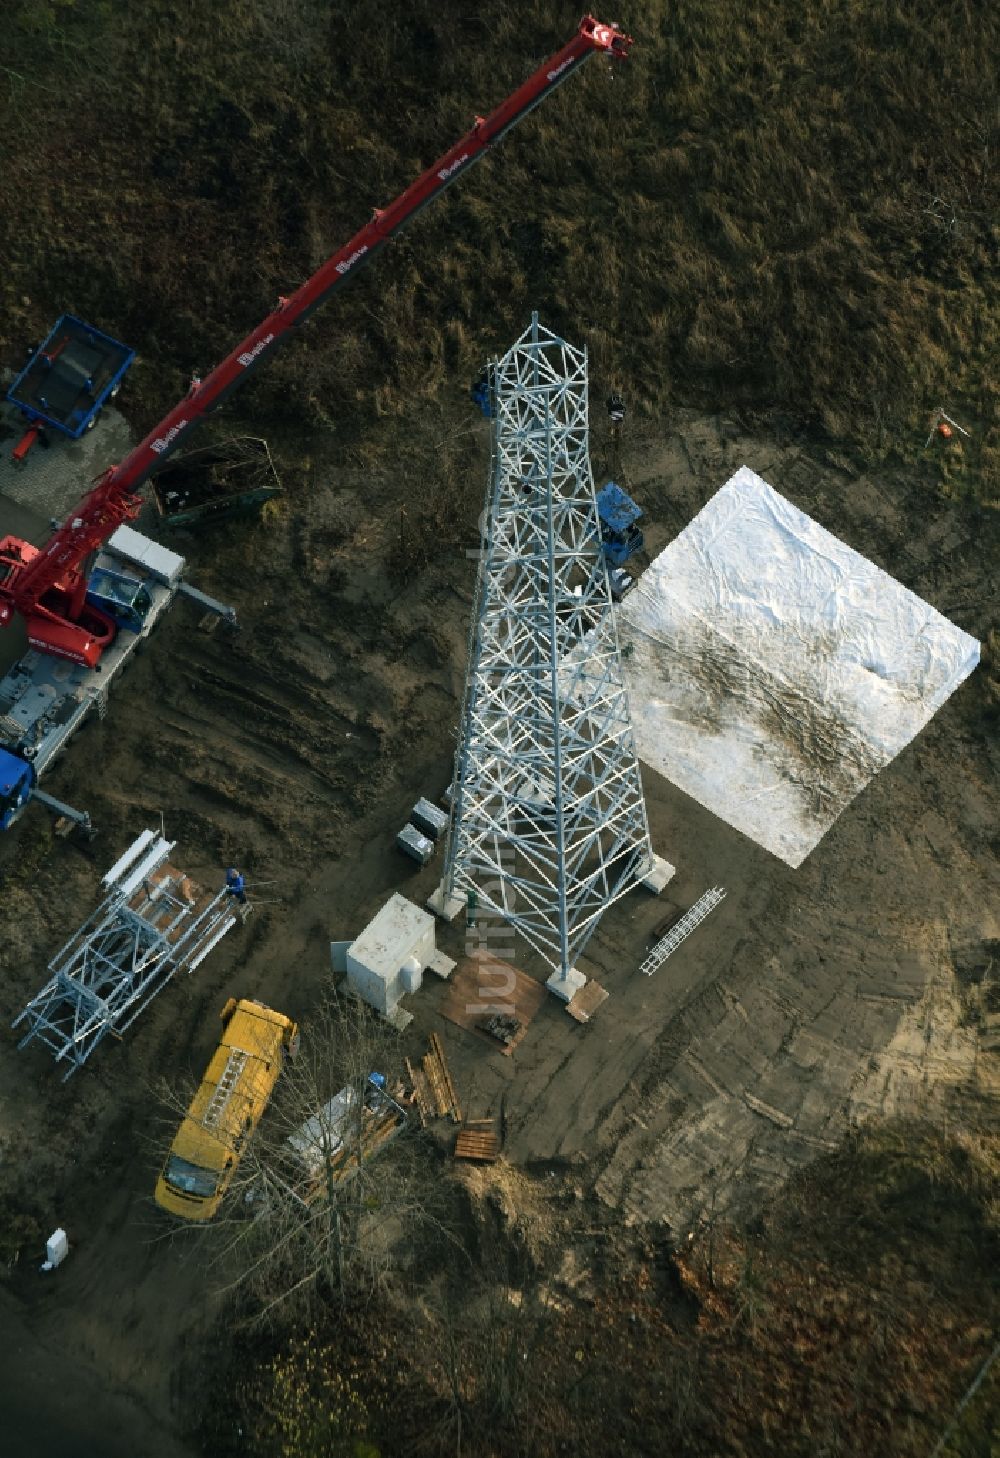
(566, 988)
(445, 907)
(658, 875)
(441, 965)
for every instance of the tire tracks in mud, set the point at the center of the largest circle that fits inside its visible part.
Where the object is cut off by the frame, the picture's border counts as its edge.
(296, 699)
(249, 738)
(282, 764)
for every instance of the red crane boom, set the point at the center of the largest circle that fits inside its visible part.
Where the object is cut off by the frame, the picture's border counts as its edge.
(48, 586)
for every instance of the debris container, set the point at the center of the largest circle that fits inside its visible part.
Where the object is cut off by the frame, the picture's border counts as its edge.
(219, 480)
(70, 377)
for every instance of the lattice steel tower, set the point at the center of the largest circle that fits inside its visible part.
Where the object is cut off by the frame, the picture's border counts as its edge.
(548, 821)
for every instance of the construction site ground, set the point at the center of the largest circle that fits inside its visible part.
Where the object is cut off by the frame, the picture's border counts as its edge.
(294, 749)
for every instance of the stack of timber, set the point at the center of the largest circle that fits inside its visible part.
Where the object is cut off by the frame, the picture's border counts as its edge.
(433, 1091)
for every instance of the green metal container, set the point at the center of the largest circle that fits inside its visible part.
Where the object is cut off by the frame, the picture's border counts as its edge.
(224, 479)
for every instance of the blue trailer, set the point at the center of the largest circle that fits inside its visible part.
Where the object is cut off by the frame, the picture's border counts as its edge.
(67, 381)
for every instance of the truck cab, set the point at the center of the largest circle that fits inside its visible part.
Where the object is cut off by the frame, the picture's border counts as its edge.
(124, 599)
(226, 1109)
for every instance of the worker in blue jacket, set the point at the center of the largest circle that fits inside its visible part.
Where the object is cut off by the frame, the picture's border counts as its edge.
(480, 393)
(236, 885)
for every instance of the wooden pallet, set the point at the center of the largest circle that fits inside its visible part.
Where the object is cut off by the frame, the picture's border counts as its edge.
(583, 1004)
(475, 1141)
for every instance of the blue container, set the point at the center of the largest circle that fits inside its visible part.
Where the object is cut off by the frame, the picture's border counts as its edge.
(618, 515)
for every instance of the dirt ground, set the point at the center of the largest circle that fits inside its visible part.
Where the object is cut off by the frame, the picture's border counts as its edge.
(808, 1000)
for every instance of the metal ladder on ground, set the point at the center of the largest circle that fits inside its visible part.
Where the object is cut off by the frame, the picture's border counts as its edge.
(681, 929)
(224, 1088)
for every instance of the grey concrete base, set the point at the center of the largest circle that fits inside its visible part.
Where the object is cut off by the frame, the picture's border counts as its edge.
(566, 987)
(441, 965)
(447, 908)
(397, 1017)
(658, 875)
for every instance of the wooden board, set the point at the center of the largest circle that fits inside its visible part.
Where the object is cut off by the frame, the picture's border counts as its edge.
(421, 1093)
(161, 913)
(481, 987)
(438, 1050)
(435, 1083)
(583, 1004)
(439, 1091)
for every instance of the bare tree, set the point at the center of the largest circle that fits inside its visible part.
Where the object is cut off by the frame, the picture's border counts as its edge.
(487, 1323)
(335, 1180)
(335, 1183)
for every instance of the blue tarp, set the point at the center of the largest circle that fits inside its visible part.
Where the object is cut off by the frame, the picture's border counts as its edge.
(616, 508)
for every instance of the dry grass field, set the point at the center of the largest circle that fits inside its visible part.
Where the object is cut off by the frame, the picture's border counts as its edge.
(786, 208)
(776, 230)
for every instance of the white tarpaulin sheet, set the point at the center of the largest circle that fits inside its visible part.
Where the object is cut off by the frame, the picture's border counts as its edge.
(773, 671)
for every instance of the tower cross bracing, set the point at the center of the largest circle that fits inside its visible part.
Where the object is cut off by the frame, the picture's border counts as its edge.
(548, 822)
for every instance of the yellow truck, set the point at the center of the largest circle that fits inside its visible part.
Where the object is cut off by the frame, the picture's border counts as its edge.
(226, 1109)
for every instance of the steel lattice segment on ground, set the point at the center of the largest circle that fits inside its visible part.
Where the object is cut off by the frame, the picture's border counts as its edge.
(681, 929)
(153, 923)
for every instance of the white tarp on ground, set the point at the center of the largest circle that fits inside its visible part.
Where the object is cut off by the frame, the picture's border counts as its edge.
(773, 671)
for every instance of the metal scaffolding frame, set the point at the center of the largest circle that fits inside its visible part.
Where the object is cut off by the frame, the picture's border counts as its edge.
(548, 819)
(681, 929)
(153, 922)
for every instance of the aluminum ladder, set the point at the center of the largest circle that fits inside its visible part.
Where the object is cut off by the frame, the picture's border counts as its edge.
(224, 1088)
(681, 929)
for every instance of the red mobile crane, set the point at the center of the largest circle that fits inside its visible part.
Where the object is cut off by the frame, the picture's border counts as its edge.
(48, 586)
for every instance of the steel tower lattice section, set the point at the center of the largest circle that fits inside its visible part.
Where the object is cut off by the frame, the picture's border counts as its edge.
(153, 922)
(548, 819)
